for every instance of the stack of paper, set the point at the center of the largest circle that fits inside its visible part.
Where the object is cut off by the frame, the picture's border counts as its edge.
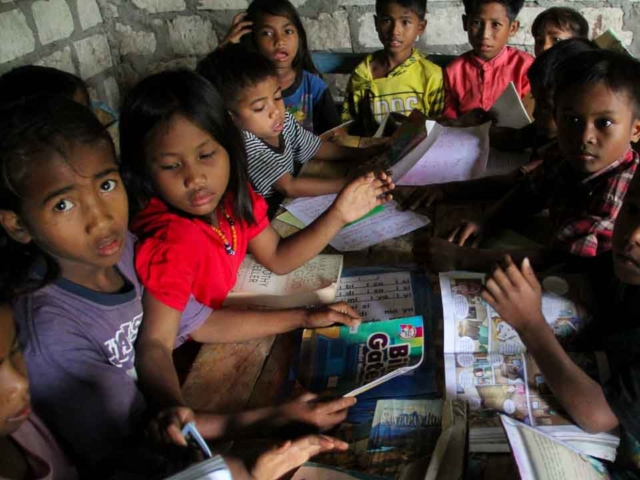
(389, 223)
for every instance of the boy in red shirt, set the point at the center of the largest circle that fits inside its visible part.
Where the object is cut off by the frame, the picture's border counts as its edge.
(477, 78)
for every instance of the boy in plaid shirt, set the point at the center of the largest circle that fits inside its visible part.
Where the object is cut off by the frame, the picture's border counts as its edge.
(582, 181)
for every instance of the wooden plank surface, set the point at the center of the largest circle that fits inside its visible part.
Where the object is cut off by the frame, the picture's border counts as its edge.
(224, 375)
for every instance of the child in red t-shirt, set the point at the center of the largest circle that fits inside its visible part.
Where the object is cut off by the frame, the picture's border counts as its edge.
(185, 164)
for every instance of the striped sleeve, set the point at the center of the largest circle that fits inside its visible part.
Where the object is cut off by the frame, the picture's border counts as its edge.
(304, 144)
(265, 167)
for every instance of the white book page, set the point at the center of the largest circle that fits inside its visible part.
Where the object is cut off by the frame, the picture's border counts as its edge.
(540, 456)
(378, 297)
(509, 109)
(384, 225)
(448, 154)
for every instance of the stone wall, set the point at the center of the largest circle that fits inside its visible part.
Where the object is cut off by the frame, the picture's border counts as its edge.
(111, 44)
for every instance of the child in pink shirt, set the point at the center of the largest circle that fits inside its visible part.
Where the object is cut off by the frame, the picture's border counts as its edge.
(27, 448)
(476, 79)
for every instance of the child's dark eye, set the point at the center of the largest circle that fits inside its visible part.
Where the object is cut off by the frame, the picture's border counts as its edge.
(172, 166)
(496, 25)
(266, 33)
(63, 206)
(557, 39)
(206, 156)
(290, 31)
(108, 186)
(603, 123)
(277, 98)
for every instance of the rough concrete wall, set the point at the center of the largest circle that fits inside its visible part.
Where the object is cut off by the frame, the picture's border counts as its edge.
(105, 40)
(65, 34)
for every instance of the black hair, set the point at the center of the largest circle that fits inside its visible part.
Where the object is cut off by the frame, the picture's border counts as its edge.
(419, 7)
(233, 68)
(564, 18)
(284, 8)
(542, 73)
(33, 80)
(151, 104)
(619, 72)
(33, 130)
(512, 7)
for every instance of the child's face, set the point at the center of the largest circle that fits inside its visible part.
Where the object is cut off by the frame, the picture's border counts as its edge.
(260, 109)
(626, 236)
(15, 405)
(398, 27)
(489, 29)
(277, 39)
(189, 169)
(74, 208)
(595, 126)
(548, 36)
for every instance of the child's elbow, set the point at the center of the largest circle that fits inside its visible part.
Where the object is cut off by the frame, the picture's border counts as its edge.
(595, 421)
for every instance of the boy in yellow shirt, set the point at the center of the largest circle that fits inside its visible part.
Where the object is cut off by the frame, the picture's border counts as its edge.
(397, 78)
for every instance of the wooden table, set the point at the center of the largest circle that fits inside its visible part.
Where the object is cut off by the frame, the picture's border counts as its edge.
(229, 378)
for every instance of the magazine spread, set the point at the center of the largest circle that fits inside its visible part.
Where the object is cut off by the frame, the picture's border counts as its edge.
(349, 361)
(487, 366)
(313, 283)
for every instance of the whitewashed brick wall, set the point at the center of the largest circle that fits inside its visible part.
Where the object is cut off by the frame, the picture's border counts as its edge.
(111, 44)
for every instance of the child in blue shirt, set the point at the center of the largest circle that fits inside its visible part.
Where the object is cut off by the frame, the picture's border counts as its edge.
(277, 32)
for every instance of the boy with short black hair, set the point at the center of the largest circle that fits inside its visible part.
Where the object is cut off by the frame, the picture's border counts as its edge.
(556, 24)
(583, 183)
(276, 144)
(515, 294)
(477, 78)
(397, 78)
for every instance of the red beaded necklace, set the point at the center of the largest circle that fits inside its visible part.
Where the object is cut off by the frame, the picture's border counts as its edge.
(231, 250)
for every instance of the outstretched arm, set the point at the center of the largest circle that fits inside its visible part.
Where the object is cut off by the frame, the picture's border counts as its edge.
(516, 295)
(356, 200)
(295, 187)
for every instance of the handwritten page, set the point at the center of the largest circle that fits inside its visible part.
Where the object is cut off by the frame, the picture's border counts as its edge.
(389, 223)
(449, 154)
(509, 109)
(378, 297)
(314, 282)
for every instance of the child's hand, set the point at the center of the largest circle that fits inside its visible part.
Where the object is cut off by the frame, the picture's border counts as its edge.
(238, 29)
(421, 197)
(468, 231)
(363, 195)
(515, 295)
(339, 312)
(167, 426)
(308, 410)
(274, 463)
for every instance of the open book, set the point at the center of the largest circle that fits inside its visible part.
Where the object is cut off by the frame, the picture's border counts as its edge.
(349, 361)
(542, 457)
(486, 365)
(313, 283)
